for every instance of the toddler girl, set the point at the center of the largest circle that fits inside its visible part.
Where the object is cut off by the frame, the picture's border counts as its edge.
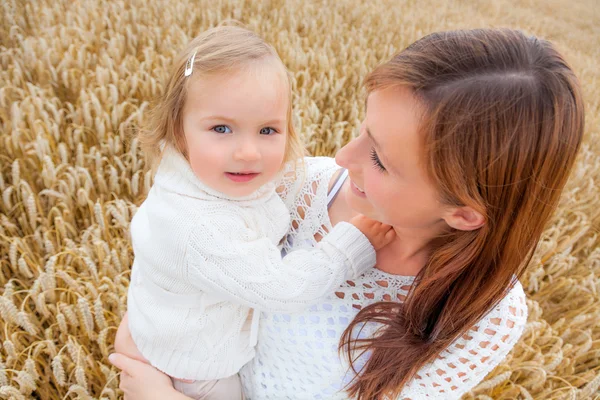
(206, 239)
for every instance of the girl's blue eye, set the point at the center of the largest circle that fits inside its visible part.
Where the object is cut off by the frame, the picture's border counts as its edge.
(221, 129)
(267, 131)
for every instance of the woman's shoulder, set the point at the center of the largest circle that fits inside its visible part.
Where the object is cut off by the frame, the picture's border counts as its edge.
(476, 353)
(506, 321)
(310, 162)
(497, 332)
(296, 173)
(513, 304)
(305, 182)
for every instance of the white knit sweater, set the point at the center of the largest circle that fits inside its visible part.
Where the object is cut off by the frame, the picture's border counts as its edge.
(297, 356)
(203, 261)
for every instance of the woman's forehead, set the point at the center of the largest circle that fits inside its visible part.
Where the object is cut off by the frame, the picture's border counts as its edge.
(392, 113)
(392, 123)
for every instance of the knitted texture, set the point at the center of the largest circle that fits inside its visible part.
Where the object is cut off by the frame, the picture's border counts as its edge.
(297, 356)
(204, 260)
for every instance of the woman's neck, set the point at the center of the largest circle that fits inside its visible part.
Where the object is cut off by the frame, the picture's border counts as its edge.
(408, 253)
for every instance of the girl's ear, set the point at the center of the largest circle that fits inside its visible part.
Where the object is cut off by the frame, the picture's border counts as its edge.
(464, 218)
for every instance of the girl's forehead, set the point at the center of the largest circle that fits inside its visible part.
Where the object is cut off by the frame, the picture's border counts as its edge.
(256, 76)
(268, 69)
(243, 92)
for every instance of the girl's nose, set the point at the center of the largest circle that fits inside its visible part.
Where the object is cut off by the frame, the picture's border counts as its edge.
(247, 150)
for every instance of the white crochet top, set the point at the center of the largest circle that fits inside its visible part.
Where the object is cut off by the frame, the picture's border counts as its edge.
(204, 261)
(297, 353)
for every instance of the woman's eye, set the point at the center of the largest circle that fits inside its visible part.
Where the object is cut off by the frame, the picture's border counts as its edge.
(267, 131)
(221, 129)
(376, 161)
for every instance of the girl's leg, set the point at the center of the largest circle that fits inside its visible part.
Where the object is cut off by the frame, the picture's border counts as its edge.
(221, 389)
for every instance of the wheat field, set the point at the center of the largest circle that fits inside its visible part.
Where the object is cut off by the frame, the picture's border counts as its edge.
(76, 80)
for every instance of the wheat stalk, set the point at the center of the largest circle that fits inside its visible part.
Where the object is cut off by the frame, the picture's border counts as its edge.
(71, 175)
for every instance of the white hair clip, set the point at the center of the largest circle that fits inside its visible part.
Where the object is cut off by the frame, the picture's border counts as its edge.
(189, 66)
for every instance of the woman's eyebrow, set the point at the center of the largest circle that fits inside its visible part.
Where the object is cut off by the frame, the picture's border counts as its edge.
(373, 139)
(381, 153)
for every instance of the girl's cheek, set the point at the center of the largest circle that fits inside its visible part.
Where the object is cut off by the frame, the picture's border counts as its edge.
(276, 148)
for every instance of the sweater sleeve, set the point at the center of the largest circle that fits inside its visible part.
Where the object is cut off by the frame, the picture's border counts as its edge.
(249, 270)
(466, 362)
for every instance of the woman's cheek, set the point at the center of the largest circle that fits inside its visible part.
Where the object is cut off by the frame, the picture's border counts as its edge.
(373, 189)
(383, 196)
(372, 183)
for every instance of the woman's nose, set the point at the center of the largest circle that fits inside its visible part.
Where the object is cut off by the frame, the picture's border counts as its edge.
(348, 156)
(341, 157)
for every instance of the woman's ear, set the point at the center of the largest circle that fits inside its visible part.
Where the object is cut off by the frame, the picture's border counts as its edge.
(464, 218)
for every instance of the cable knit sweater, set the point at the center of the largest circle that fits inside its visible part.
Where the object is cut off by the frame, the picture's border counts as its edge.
(297, 355)
(204, 261)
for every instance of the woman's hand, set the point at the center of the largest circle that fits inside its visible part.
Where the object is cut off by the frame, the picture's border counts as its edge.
(141, 381)
(124, 343)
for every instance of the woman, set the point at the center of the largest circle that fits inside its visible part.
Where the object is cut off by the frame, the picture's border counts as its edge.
(468, 140)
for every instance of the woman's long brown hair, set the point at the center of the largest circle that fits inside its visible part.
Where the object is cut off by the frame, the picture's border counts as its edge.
(502, 124)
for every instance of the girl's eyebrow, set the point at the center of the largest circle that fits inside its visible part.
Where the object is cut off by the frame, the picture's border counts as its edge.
(217, 117)
(274, 121)
(232, 121)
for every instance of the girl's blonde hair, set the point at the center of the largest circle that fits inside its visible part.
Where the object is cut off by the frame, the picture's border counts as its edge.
(218, 50)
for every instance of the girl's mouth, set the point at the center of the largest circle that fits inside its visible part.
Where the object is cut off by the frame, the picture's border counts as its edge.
(241, 177)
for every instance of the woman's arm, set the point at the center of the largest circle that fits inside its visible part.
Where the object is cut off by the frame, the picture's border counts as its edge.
(124, 343)
(141, 381)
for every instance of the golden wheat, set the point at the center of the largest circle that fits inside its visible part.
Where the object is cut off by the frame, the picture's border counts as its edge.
(77, 77)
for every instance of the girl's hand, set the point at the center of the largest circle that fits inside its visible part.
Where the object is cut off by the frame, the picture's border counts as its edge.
(141, 381)
(380, 235)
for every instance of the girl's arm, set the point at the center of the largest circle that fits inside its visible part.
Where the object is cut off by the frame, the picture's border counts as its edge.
(253, 273)
(265, 281)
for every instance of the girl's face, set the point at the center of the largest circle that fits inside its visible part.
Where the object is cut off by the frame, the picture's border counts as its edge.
(235, 127)
(389, 182)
